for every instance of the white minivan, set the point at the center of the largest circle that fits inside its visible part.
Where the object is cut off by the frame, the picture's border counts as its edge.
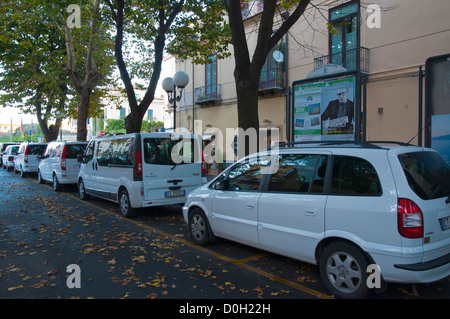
(59, 163)
(141, 169)
(27, 160)
(342, 205)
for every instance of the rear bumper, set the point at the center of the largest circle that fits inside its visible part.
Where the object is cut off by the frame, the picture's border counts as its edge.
(429, 265)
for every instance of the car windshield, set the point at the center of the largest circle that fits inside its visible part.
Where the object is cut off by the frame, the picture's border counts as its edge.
(427, 173)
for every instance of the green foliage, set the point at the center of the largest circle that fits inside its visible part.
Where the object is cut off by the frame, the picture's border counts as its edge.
(33, 55)
(118, 126)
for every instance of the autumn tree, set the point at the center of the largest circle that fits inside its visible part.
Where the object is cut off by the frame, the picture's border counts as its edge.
(247, 70)
(193, 29)
(89, 58)
(35, 62)
(31, 56)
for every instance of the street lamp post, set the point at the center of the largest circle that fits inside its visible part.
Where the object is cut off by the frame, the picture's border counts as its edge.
(170, 85)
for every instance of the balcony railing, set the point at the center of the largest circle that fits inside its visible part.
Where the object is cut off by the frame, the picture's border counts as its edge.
(208, 94)
(353, 60)
(272, 79)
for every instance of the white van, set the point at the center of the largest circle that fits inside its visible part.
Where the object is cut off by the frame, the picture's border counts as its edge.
(59, 163)
(141, 169)
(27, 160)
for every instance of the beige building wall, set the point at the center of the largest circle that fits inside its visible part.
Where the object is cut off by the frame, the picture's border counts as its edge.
(411, 31)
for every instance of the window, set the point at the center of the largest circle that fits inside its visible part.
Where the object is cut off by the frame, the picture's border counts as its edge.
(344, 34)
(427, 173)
(89, 152)
(296, 173)
(354, 176)
(36, 149)
(115, 152)
(272, 71)
(246, 176)
(72, 150)
(168, 151)
(211, 78)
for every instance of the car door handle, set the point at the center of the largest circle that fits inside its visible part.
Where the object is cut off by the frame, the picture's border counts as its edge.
(250, 205)
(311, 212)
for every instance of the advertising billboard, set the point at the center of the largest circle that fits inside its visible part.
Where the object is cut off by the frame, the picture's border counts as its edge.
(325, 109)
(437, 104)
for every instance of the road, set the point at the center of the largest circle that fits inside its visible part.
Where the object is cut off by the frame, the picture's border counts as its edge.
(147, 257)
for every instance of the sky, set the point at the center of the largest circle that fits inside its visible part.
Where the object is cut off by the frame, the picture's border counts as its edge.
(8, 113)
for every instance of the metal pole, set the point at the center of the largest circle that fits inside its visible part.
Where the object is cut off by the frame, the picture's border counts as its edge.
(420, 105)
(174, 107)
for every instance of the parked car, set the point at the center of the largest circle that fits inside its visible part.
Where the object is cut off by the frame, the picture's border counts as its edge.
(141, 169)
(3, 147)
(27, 160)
(338, 205)
(59, 164)
(8, 156)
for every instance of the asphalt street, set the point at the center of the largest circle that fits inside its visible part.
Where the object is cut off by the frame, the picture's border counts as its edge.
(42, 232)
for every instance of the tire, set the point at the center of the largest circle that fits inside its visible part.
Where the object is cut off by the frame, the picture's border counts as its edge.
(124, 204)
(343, 270)
(199, 228)
(56, 185)
(40, 179)
(82, 191)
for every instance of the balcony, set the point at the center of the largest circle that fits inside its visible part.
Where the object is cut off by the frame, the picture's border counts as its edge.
(208, 95)
(271, 80)
(353, 60)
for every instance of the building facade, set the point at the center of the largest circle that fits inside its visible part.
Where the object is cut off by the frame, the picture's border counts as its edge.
(384, 42)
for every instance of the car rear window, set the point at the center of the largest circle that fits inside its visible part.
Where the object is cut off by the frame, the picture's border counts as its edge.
(73, 150)
(427, 173)
(36, 149)
(168, 151)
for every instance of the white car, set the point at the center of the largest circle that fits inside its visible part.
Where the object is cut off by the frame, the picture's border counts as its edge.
(8, 156)
(340, 206)
(59, 163)
(141, 169)
(27, 160)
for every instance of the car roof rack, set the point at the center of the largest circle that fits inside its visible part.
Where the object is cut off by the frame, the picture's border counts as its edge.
(342, 143)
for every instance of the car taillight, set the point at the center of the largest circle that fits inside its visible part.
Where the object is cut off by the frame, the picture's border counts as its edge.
(139, 163)
(63, 158)
(25, 155)
(11, 158)
(410, 219)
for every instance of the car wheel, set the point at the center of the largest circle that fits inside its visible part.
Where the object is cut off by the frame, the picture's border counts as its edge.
(124, 204)
(40, 179)
(199, 229)
(82, 190)
(56, 185)
(343, 270)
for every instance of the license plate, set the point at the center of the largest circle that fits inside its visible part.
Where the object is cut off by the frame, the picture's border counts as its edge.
(445, 223)
(175, 193)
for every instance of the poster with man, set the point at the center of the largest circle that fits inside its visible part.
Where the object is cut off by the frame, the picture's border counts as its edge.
(338, 116)
(325, 110)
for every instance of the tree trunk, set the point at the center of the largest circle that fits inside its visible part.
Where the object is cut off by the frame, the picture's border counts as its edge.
(83, 111)
(50, 132)
(247, 84)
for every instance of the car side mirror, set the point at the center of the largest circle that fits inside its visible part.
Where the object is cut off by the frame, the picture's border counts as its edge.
(220, 186)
